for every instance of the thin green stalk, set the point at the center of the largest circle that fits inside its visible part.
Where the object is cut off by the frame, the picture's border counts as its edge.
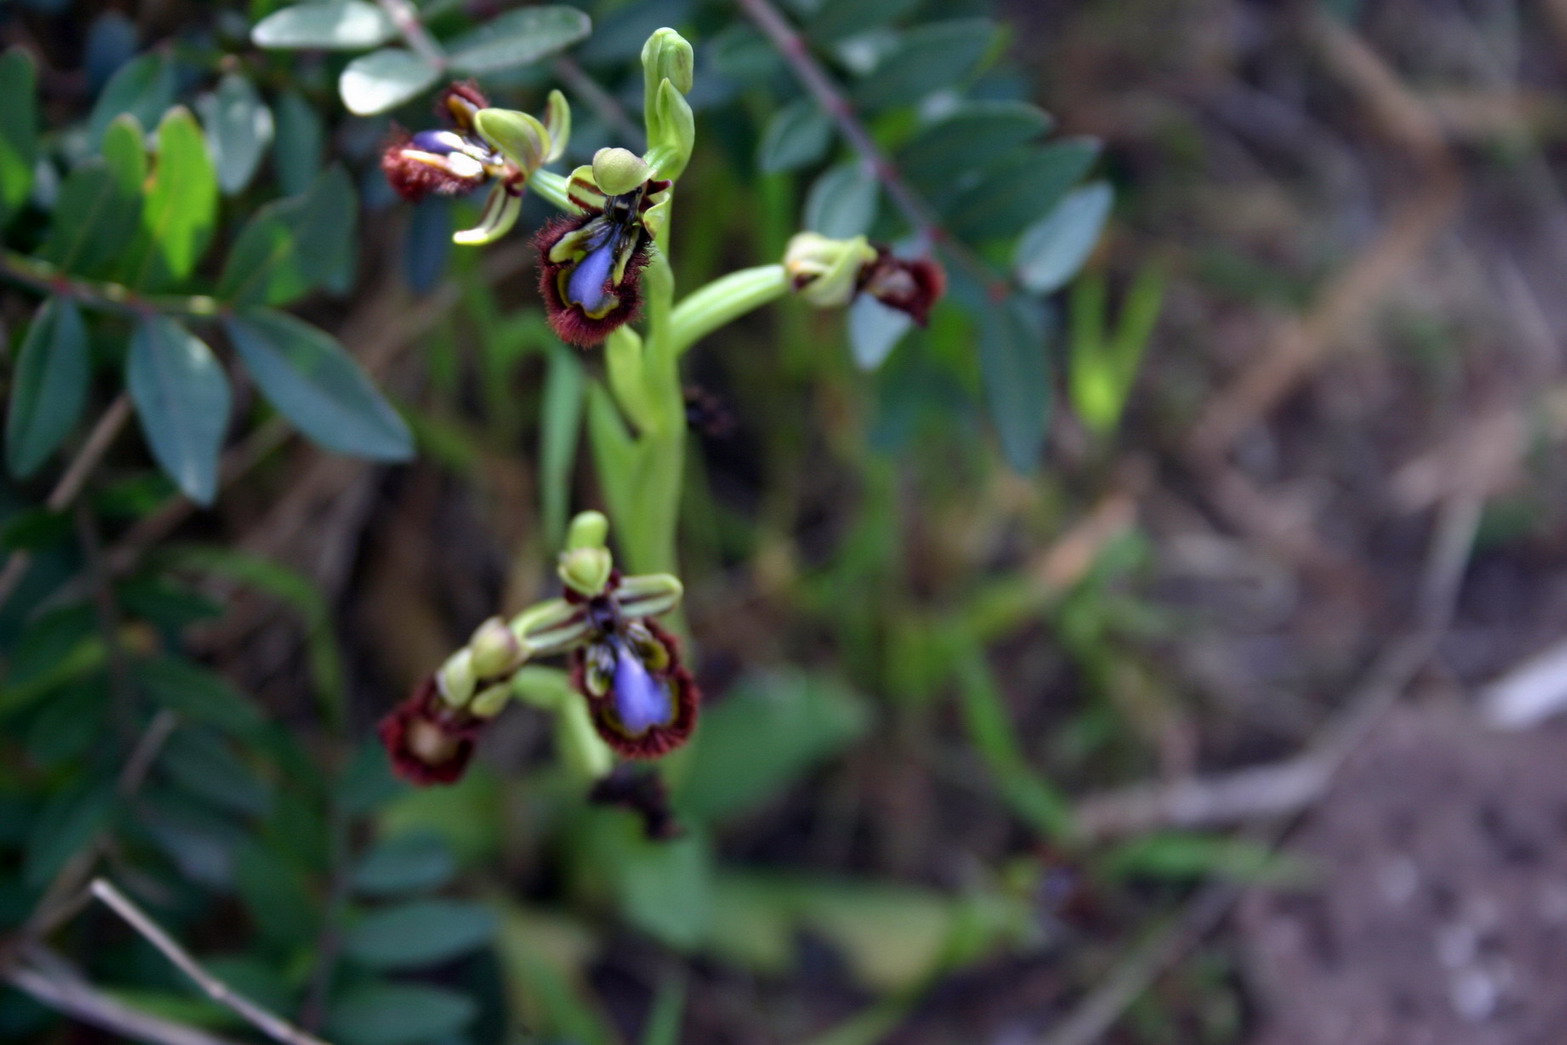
(723, 301)
(102, 295)
(553, 189)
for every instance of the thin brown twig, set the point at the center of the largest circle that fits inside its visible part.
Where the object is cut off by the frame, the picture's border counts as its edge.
(797, 53)
(598, 99)
(406, 19)
(272, 1026)
(70, 484)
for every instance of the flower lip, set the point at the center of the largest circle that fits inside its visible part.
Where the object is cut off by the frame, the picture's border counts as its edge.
(911, 285)
(429, 741)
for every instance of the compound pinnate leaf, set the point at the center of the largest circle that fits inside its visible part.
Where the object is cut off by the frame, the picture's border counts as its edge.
(99, 207)
(1053, 249)
(49, 387)
(842, 202)
(797, 134)
(383, 80)
(974, 135)
(519, 37)
(239, 129)
(334, 25)
(411, 863)
(316, 384)
(1018, 189)
(1013, 364)
(18, 128)
(419, 933)
(182, 399)
(180, 208)
(397, 1014)
(927, 59)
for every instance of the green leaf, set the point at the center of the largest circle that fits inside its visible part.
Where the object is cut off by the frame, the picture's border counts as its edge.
(197, 694)
(182, 399)
(797, 135)
(239, 129)
(927, 59)
(842, 203)
(204, 765)
(419, 933)
(969, 138)
(316, 384)
(332, 25)
(560, 428)
(18, 128)
(1017, 381)
(410, 863)
(296, 148)
(49, 386)
(992, 734)
(1053, 249)
(838, 19)
(397, 1014)
(67, 823)
(517, 38)
(292, 246)
(1184, 857)
(181, 206)
(806, 719)
(99, 207)
(875, 330)
(1103, 370)
(143, 87)
(1019, 189)
(383, 80)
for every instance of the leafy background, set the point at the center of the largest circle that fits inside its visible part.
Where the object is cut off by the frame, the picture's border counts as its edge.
(952, 588)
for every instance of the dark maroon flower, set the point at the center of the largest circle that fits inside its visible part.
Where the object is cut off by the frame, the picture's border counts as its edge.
(428, 740)
(590, 265)
(910, 285)
(445, 162)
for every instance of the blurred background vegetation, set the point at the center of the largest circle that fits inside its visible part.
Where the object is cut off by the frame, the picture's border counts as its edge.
(993, 617)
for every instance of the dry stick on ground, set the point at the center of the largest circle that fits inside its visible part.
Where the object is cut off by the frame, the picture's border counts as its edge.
(272, 1026)
(797, 52)
(1384, 682)
(61, 987)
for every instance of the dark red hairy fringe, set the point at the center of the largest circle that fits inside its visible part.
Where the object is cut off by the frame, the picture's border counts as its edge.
(424, 705)
(659, 740)
(413, 180)
(569, 322)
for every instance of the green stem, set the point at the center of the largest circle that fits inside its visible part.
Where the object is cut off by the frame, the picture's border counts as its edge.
(108, 297)
(723, 301)
(553, 189)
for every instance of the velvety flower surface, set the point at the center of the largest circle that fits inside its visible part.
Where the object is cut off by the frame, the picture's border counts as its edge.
(445, 162)
(428, 740)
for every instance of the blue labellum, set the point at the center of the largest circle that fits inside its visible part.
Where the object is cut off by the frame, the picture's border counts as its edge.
(585, 286)
(641, 701)
(440, 143)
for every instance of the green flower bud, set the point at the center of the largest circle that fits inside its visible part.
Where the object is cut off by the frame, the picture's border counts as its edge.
(521, 138)
(648, 594)
(618, 171)
(494, 650)
(551, 627)
(586, 570)
(826, 272)
(671, 131)
(588, 530)
(491, 700)
(668, 56)
(456, 679)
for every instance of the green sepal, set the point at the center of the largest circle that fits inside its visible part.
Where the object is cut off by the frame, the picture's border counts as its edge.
(521, 138)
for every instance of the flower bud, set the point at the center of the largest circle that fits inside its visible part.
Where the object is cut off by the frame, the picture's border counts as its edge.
(668, 56)
(671, 132)
(586, 570)
(494, 650)
(618, 171)
(826, 272)
(588, 530)
(456, 679)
